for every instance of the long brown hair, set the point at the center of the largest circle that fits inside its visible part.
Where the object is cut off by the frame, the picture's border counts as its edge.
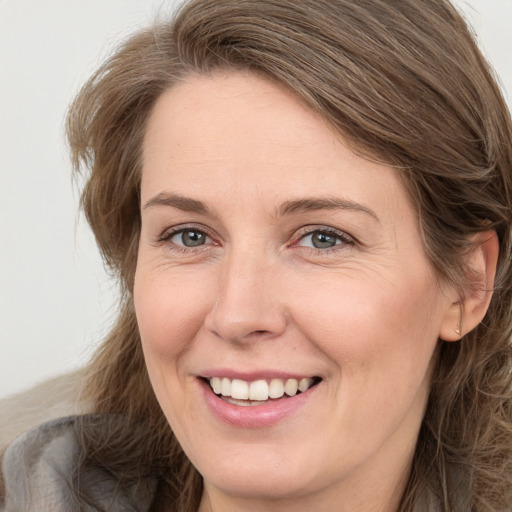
(405, 83)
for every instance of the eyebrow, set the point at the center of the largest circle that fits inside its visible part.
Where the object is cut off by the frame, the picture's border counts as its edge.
(308, 204)
(291, 207)
(185, 204)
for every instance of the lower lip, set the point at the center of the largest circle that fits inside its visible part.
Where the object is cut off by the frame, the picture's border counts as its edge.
(255, 416)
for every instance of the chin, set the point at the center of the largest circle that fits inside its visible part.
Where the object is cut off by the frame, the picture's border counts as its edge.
(268, 473)
(279, 483)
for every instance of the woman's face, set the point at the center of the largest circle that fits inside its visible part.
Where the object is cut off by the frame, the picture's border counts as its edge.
(272, 256)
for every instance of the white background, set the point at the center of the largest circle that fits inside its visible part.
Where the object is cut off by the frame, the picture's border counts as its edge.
(56, 301)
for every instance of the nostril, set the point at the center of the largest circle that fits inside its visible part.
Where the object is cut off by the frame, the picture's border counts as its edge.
(259, 334)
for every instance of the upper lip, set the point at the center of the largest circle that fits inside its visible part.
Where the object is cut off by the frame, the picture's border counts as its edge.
(250, 376)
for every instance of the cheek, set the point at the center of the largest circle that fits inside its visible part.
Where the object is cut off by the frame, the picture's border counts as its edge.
(169, 312)
(382, 333)
(381, 341)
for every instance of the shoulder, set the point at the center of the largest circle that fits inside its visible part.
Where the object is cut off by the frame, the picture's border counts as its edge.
(43, 467)
(33, 467)
(54, 398)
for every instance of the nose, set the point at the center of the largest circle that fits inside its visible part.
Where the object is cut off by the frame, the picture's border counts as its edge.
(249, 303)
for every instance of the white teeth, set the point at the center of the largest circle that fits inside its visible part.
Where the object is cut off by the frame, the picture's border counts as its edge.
(239, 389)
(305, 384)
(258, 390)
(276, 388)
(291, 387)
(215, 383)
(225, 387)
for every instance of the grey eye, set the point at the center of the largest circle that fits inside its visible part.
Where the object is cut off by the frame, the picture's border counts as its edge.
(321, 240)
(325, 239)
(190, 238)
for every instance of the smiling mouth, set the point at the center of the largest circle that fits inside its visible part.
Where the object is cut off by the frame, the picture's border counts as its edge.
(259, 392)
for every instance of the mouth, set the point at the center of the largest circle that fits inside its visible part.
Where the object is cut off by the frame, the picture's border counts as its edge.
(259, 392)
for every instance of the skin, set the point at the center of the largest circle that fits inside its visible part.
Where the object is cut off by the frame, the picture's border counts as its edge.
(365, 315)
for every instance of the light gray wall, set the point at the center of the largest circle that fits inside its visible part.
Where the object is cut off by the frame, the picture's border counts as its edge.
(55, 299)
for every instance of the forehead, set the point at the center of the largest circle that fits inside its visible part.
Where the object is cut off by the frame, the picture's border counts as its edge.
(241, 104)
(238, 132)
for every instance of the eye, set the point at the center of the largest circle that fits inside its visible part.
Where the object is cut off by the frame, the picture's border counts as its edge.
(189, 238)
(324, 239)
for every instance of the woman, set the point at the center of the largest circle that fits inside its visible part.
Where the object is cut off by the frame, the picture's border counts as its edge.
(308, 205)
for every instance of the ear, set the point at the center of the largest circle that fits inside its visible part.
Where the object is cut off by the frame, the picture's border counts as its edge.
(466, 311)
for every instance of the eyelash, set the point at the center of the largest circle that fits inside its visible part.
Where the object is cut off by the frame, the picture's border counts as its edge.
(344, 238)
(166, 237)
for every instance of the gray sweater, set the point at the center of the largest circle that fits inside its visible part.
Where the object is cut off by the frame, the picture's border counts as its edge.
(39, 469)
